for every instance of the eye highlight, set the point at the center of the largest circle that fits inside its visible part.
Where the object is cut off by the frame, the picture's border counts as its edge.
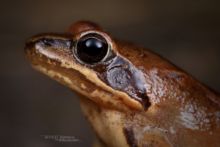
(91, 48)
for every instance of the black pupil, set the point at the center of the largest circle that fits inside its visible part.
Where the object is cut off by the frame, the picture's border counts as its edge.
(91, 49)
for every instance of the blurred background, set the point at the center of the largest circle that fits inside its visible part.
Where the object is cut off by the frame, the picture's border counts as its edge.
(31, 105)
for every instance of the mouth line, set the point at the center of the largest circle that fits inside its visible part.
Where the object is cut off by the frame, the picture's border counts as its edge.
(53, 69)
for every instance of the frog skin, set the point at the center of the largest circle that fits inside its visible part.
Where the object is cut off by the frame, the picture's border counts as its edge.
(131, 96)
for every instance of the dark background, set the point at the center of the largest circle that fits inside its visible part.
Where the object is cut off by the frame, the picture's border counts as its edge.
(186, 32)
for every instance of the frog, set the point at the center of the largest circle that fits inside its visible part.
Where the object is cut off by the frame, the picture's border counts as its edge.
(131, 96)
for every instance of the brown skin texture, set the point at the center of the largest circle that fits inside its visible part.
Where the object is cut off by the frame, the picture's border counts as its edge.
(182, 111)
(181, 102)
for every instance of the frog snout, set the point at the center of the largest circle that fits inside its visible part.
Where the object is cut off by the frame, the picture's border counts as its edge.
(30, 44)
(46, 41)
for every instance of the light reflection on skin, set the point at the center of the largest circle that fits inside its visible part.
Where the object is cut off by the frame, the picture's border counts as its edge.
(195, 118)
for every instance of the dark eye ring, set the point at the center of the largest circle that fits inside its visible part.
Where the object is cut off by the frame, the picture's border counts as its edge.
(91, 48)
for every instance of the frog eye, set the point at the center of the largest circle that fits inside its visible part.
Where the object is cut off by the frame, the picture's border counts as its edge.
(91, 48)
